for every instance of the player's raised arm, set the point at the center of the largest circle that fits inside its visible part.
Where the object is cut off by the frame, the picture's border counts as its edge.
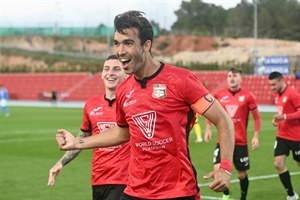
(114, 136)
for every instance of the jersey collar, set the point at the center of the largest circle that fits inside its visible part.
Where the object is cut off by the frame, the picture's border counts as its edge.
(143, 82)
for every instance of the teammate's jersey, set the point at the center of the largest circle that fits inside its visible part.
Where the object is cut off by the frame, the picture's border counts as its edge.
(288, 102)
(109, 165)
(158, 113)
(238, 105)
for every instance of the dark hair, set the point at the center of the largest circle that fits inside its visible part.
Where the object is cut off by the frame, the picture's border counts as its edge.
(134, 19)
(235, 70)
(112, 57)
(275, 75)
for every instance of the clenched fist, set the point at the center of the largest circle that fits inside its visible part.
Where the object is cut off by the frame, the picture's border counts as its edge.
(65, 140)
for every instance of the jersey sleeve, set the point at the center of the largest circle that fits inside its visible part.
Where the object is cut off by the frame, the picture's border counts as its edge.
(217, 95)
(193, 89)
(252, 101)
(120, 114)
(86, 125)
(295, 97)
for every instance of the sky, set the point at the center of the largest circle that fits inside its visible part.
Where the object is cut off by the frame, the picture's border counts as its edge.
(89, 13)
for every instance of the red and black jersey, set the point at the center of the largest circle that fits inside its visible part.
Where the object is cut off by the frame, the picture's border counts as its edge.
(158, 112)
(109, 165)
(238, 105)
(288, 102)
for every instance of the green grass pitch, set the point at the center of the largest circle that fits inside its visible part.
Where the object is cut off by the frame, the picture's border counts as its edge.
(28, 150)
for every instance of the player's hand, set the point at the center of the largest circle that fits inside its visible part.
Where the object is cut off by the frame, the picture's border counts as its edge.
(207, 136)
(221, 180)
(54, 172)
(255, 143)
(278, 117)
(274, 122)
(65, 140)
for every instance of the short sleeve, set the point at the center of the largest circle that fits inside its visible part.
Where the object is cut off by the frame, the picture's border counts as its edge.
(193, 89)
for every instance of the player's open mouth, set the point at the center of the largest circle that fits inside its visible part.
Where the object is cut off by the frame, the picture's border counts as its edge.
(125, 62)
(111, 79)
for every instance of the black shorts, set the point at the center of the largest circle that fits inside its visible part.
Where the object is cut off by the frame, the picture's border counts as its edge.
(240, 157)
(127, 197)
(284, 146)
(107, 192)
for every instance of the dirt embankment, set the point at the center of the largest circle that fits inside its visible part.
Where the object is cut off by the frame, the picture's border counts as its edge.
(228, 50)
(170, 49)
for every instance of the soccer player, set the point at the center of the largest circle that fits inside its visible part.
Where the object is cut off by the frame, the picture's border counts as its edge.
(109, 165)
(54, 97)
(197, 129)
(156, 108)
(287, 119)
(197, 126)
(238, 103)
(4, 96)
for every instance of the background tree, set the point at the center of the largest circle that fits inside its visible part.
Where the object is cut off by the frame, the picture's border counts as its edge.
(291, 21)
(240, 20)
(279, 19)
(197, 17)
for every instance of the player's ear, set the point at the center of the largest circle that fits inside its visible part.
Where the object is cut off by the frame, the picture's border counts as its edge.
(147, 45)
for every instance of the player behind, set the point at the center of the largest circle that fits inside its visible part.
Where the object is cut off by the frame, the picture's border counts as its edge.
(109, 165)
(197, 129)
(287, 119)
(238, 103)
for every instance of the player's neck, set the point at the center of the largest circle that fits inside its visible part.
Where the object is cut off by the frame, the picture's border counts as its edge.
(234, 89)
(149, 68)
(110, 94)
(282, 89)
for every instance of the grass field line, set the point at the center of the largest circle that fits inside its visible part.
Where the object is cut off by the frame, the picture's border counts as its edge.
(250, 130)
(251, 178)
(209, 197)
(33, 132)
(40, 135)
(25, 132)
(15, 140)
(255, 178)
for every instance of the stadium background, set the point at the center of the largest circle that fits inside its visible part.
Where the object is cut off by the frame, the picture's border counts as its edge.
(82, 43)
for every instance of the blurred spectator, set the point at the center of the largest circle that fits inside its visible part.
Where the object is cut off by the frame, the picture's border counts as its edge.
(4, 96)
(54, 97)
(298, 75)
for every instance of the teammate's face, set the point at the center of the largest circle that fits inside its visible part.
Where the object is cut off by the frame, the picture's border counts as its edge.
(234, 80)
(112, 73)
(276, 85)
(129, 50)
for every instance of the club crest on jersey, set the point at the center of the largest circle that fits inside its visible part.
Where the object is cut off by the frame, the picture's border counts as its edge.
(159, 91)
(284, 99)
(241, 98)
